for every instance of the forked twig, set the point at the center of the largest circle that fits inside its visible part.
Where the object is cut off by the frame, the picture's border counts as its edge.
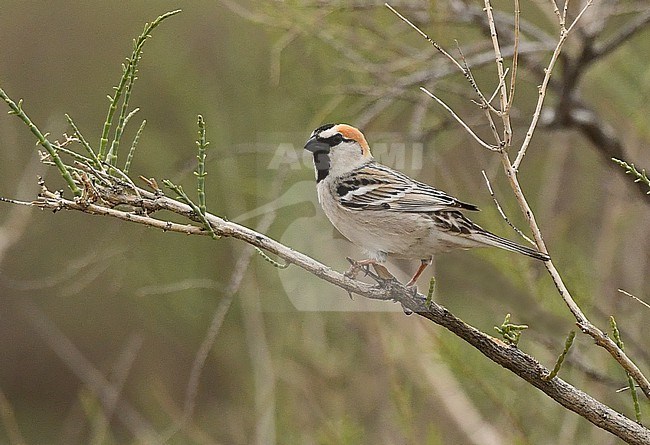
(462, 67)
(564, 33)
(515, 59)
(460, 121)
(583, 322)
(484, 102)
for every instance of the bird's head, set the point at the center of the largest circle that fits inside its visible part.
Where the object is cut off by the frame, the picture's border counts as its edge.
(337, 149)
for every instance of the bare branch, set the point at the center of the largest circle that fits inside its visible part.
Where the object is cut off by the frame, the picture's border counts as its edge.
(504, 100)
(564, 33)
(635, 298)
(628, 30)
(460, 121)
(583, 322)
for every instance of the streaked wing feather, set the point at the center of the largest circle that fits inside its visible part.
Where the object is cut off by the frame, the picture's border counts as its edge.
(377, 187)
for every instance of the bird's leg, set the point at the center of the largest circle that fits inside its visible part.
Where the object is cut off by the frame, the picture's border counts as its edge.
(423, 265)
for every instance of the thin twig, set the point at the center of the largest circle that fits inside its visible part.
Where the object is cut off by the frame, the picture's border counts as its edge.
(134, 145)
(503, 214)
(463, 67)
(515, 58)
(630, 381)
(200, 172)
(491, 123)
(84, 142)
(639, 176)
(637, 299)
(503, 96)
(556, 10)
(564, 12)
(484, 102)
(429, 39)
(460, 121)
(17, 110)
(564, 33)
(501, 83)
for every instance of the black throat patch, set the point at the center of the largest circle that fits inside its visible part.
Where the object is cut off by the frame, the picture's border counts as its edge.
(322, 164)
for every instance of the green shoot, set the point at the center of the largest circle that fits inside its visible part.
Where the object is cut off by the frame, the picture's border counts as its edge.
(640, 176)
(510, 332)
(560, 359)
(630, 380)
(84, 143)
(271, 260)
(136, 139)
(200, 171)
(195, 209)
(124, 87)
(17, 109)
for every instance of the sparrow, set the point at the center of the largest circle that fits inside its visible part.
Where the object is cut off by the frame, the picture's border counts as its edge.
(387, 213)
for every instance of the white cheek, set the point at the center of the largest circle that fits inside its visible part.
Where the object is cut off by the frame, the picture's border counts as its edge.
(345, 158)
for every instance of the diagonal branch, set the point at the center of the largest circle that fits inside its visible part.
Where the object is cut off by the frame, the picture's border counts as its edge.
(628, 30)
(510, 169)
(583, 322)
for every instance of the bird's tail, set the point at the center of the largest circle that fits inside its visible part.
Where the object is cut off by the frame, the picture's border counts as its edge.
(493, 240)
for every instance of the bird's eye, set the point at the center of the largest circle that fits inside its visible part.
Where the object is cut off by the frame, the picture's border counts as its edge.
(336, 139)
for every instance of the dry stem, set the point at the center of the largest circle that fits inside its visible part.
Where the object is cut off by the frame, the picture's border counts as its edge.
(564, 33)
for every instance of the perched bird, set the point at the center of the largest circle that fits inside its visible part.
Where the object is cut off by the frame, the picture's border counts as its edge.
(387, 213)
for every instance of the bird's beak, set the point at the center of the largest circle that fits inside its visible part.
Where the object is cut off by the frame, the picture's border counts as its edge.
(315, 146)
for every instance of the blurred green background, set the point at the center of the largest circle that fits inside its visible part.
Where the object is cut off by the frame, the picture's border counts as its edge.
(86, 301)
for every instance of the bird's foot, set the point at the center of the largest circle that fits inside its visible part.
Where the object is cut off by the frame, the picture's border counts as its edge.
(381, 274)
(358, 266)
(428, 298)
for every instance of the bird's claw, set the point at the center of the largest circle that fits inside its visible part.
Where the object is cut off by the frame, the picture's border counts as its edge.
(381, 274)
(354, 269)
(358, 266)
(413, 290)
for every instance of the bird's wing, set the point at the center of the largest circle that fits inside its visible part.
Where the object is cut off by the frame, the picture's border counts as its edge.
(377, 187)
